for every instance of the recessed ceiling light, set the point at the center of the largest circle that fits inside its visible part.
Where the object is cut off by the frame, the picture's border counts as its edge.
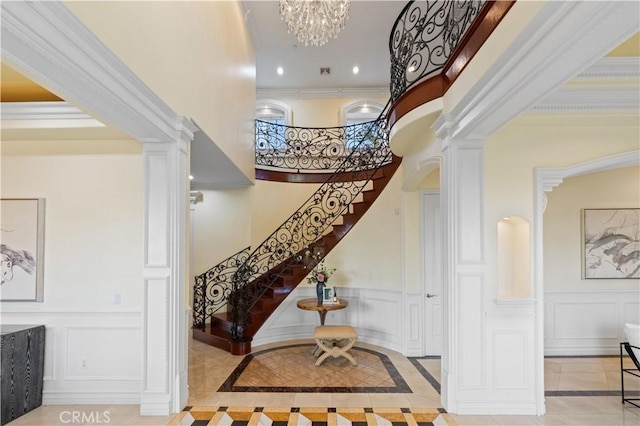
(190, 177)
(280, 71)
(356, 70)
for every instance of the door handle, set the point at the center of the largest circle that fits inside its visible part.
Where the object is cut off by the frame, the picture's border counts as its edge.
(429, 295)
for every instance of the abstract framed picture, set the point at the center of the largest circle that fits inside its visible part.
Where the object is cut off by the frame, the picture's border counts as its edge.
(22, 249)
(611, 243)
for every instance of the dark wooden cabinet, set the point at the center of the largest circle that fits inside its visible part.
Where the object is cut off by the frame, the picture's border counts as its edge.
(22, 370)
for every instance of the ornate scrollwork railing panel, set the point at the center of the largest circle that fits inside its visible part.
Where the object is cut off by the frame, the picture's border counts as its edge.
(213, 288)
(310, 149)
(423, 38)
(312, 220)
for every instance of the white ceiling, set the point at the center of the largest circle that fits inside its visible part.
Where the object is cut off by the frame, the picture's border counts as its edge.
(363, 42)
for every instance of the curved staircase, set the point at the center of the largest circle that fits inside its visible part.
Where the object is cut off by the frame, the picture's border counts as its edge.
(440, 37)
(274, 285)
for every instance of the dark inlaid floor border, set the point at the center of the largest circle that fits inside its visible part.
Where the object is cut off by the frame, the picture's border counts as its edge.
(400, 385)
(432, 380)
(428, 377)
(591, 393)
(316, 416)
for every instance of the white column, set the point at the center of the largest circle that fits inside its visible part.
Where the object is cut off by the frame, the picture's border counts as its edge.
(463, 363)
(166, 205)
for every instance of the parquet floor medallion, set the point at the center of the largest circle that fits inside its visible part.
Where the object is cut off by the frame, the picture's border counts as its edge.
(292, 369)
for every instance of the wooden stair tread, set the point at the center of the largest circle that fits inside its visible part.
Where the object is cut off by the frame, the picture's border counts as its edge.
(283, 281)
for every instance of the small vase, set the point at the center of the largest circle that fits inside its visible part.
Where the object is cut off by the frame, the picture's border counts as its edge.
(320, 292)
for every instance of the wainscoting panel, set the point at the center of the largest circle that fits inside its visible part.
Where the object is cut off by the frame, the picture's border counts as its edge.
(510, 363)
(415, 325)
(470, 343)
(376, 314)
(49, 354)
(107, 357)
(90, 357)
(588, 323)
(510, 342)
(632, 310)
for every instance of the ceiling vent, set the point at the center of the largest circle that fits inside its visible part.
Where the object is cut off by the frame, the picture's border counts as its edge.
(325, 71)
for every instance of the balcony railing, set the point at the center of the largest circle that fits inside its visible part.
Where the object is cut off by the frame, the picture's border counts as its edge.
(424, 37)
(312, 149)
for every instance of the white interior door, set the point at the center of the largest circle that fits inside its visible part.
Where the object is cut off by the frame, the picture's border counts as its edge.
(432, 262)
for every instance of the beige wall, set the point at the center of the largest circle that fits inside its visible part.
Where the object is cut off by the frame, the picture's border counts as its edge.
(321, 112)
(272, 203)
(93, 218)
(370, 255)
(432, 180)
(219, 228)
(512, 153)
(196, 56)
(619, 188)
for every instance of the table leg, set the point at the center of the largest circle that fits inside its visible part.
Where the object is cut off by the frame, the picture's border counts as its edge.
(323, 315)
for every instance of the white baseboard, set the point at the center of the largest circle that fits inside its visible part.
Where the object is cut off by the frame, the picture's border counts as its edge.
(583, 351)
(87, 398)
(503, 408)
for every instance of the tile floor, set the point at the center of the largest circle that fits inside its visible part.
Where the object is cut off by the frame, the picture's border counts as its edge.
(209, 368)
(286, 369)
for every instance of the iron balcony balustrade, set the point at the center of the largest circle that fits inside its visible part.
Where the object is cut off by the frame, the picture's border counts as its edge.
(424, 37)
(311, 149)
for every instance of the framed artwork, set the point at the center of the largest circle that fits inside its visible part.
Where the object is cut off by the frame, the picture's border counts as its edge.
(22, 249)
(327, 296)
(611, 243)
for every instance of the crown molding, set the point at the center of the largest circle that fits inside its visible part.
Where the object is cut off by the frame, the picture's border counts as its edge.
(353, 92)
(623, 97)
(612, 68)
(45, 115)
(47, 43)
(569, 99)
(561, 41)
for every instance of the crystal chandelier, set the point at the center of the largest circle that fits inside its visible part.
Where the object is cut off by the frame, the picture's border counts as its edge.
(314, 21)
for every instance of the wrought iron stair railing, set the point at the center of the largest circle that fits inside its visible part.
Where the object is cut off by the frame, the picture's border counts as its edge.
(305, 231)
(300, 232)
(423, 41)
(213, 288)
